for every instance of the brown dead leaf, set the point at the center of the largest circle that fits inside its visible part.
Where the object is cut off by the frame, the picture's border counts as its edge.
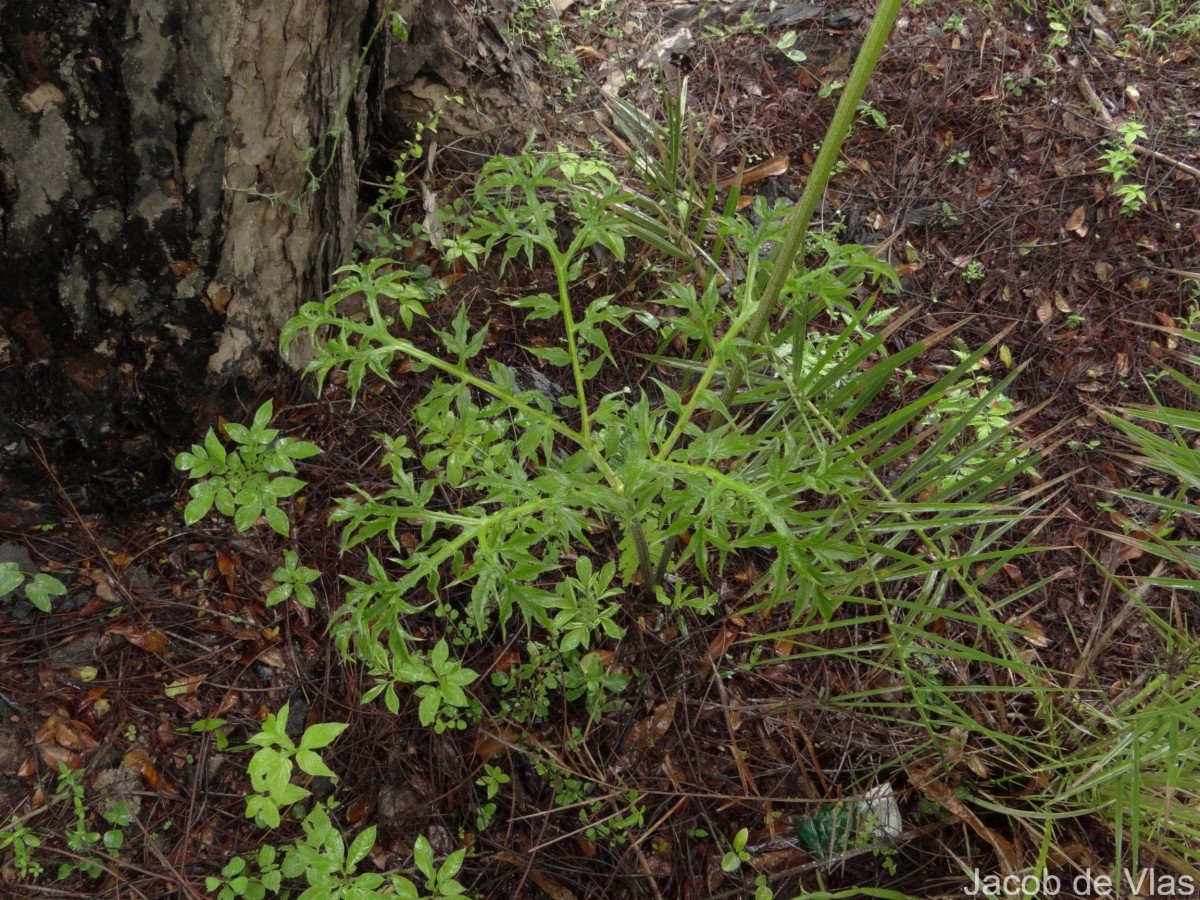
(940, 793)
(552, 888)
(976, 764)
(719, 645)
(1031, 630)
(139, 761)
(227, 567)
(149, 639)
(1075, 222)
(358, 810)
(1045, 311)
(490, 743)
(776, 165)
(646, 733)
(72, 735)
(182, 686)
(53, 756)
(105, 590)
(273, 657)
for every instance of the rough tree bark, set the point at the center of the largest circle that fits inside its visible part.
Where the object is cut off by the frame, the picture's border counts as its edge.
(159, 215)
(139, 260)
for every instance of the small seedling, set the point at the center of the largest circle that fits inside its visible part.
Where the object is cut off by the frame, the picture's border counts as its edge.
(38, 589)
(244, 483)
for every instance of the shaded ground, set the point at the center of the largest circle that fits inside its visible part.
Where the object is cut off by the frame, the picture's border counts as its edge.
(982, 178)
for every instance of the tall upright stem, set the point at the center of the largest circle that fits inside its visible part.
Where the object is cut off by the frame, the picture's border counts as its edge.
(781, 262)
(785, 255)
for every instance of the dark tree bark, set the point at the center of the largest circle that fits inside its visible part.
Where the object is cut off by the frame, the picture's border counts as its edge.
(159, 215)
(140, 262)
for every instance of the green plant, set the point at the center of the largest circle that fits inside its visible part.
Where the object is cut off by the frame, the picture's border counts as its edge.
(1154, 23)
(786, 46)
(293, 579)
(23, 841)
(272, 764)
(1132, 196)
(1119, 160)
(328, 867)
(737, 855)
(1140, 768)
(88, 851)
(38, 589)
(215, 727)
(1017, 85)
(960, 158)
(239, 483)
(492, 779)
(443, 701)
(975, 271)
(439, 880)
(578, 794)
(728, 456)
(543, 30)
(1059, 36)
(80, 839)
(868, 110)
(581, 606)
(320, 858)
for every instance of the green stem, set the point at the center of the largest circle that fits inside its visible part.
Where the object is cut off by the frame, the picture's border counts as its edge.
(843, 117)
(784, 258)
(562, 266)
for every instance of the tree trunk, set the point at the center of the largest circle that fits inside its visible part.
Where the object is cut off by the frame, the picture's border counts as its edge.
(176, 177)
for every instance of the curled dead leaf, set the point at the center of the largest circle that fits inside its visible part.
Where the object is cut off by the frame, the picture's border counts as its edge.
(149, 639)
(645, 733)
(720, 644)
(1075, 222)
(940, 793)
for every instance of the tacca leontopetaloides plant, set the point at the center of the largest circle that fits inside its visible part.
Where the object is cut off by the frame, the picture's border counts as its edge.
(753, 452)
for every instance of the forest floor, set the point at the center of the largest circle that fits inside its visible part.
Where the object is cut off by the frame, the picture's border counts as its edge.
(977, 170)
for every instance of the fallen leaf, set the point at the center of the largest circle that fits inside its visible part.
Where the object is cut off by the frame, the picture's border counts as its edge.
(1045, 312)
(940, 793)
(273, 657)
(1031, 630)
(719, 645)
(646, 732)
(73, 735)
(139, 761)
(184, 686)
(776, 165)
(54, 756)
(489, 743)
(227, 567)
(552, 888)
(150, 640)
(1075, 222)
